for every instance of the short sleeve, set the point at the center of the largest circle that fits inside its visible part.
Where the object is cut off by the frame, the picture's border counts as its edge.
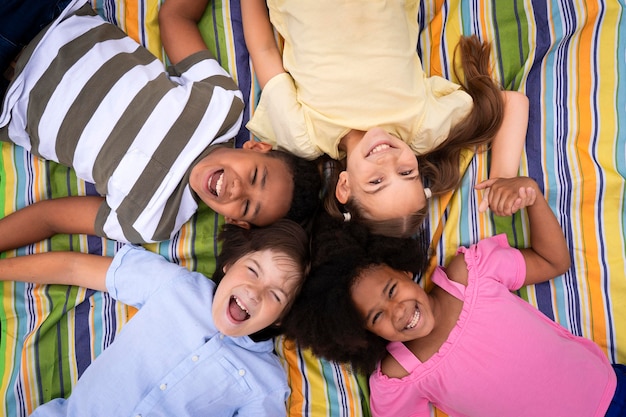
(201, 66)
(135, 274)
(445, 104)
(279, 119)
(494, 258)
(395, 397)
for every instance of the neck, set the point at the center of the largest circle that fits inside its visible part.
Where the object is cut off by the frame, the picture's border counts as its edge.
(446, 311)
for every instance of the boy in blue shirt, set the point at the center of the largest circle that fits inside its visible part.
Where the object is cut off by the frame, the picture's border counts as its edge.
(193, 348)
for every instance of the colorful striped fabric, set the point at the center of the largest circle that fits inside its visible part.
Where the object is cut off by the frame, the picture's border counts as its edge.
(566, 56)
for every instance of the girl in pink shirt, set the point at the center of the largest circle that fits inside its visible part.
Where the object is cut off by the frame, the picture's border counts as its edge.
(469, 346)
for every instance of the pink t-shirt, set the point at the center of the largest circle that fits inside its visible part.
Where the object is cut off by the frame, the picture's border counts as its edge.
(503, 357)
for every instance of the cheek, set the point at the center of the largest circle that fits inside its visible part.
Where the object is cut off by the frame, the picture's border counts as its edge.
(273, 312)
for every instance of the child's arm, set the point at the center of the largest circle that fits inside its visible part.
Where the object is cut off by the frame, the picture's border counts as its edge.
(260, 41)
(67, 268)
(46, 218)
(548, 255)
(507, 145)
(178, 22)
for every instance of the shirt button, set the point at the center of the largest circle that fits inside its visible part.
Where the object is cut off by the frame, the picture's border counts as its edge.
(163, 387)
(221, 336)
(195, 358)
(242, 372)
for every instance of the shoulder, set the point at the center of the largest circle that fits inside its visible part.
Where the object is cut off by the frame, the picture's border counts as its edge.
(494, 257)
(457, 269)
(136, 262)
(480, 254)
(390, 367)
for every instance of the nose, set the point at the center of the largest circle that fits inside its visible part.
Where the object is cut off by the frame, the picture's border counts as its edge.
(382, 160)
(236, 188)
(254, 293)
(386, 159)
(397, 312)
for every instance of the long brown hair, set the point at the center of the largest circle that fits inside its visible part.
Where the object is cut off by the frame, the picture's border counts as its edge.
(440, 166)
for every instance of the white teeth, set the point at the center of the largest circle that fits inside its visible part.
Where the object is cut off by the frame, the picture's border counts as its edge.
(414, 320)
(241, 305)
(218, 185)
(379, 148)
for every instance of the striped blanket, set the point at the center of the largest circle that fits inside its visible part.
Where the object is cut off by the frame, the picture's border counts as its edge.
(567, 56)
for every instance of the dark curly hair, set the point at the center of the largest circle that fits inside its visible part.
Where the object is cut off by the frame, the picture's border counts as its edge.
(285, 236)
(324, 317)
(307, 183)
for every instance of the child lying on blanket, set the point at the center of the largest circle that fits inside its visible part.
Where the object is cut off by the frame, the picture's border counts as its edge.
(196, 347)
(469, 346)
(151, 141)
(350, 84)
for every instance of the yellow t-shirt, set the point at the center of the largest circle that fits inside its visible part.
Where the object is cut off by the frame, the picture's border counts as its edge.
(352, 64)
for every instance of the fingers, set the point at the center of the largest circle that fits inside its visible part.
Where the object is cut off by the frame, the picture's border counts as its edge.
(484, 203)
(504, 199)
(485, 184)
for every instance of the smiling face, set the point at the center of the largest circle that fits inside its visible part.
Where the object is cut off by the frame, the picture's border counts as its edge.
(381, 169)
(393, 305)
(255, 292)
(246, 186)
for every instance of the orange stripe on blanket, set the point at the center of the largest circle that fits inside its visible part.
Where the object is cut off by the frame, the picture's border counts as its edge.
(588, 207)
(31, 341)
(295, 402)
(131, 20)
(436, 26)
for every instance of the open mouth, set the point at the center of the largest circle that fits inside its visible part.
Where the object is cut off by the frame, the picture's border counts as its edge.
(379, 148)
(215, 183)
(237, 310)
(414, 320)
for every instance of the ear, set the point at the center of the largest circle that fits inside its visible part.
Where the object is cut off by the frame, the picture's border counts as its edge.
(241, 223)
(342, 192)
(257, 146)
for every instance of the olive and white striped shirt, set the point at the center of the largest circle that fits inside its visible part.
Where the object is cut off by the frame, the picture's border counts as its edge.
(89, 97)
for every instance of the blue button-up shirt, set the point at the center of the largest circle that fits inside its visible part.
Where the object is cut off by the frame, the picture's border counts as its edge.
(169, 359)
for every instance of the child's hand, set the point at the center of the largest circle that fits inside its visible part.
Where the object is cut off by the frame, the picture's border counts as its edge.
(505, 196)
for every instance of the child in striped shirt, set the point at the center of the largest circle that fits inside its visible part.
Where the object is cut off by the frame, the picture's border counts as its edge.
(155, 143)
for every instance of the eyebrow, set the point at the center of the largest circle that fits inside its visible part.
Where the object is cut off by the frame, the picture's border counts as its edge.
(257, 207)
(384, 291)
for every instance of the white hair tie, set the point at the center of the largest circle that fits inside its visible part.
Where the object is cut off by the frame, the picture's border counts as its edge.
(428, 193)
(347, 216)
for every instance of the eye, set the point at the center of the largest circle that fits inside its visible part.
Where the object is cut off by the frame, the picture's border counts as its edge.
(276, 297)
(392, 290)
(376, 317)
(246, 206)
(406, 173)
(253, 271)
(376, 181)
(254, 175)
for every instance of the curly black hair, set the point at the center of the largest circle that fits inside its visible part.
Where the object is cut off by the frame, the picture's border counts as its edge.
(324, 317)
(307, 183)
